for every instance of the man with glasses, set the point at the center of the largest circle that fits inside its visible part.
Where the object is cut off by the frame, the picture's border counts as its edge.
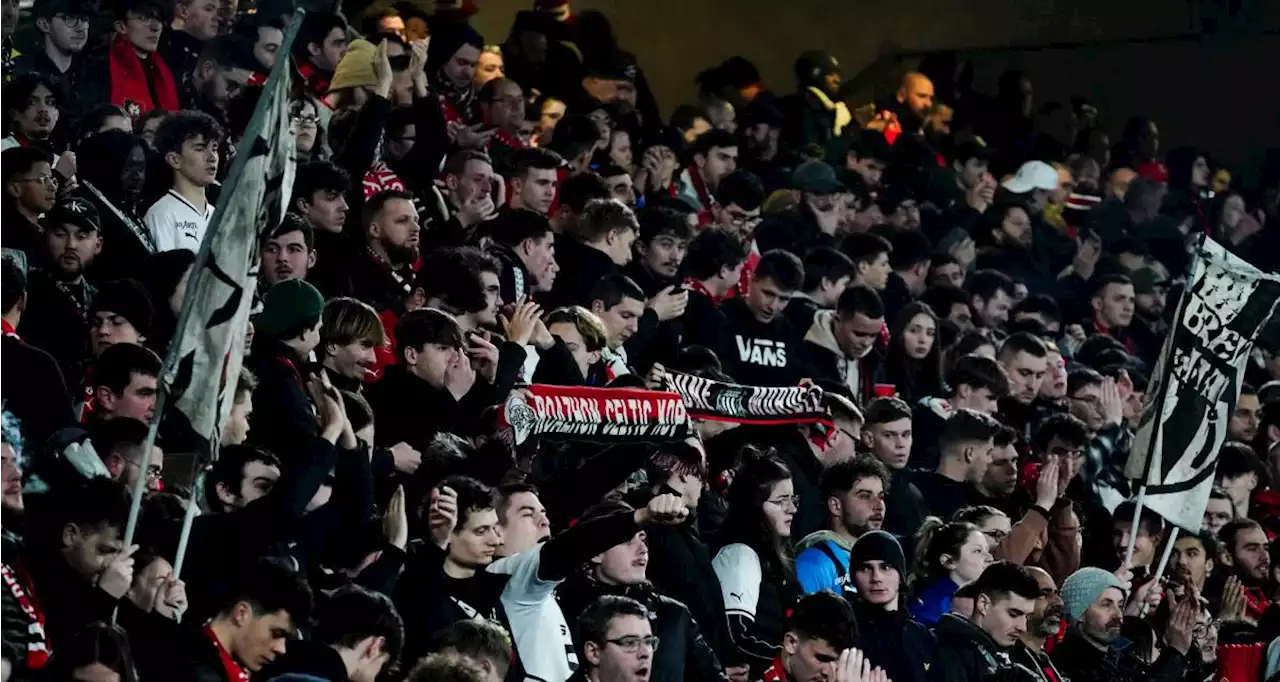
(225, 66)
(30, 190)
(65, 25)
(130, 73)
(616, 640)
(118, 443)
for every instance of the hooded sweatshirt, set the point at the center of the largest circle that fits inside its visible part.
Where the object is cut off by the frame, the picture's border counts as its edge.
(760, 353)
(823, 357)
(822, 563)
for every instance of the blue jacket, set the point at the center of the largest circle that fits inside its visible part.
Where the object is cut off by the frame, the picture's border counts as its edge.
(933, 601)
(824, 564)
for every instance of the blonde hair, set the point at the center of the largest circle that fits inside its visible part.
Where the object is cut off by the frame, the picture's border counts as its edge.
(348, 320)
(590, 326)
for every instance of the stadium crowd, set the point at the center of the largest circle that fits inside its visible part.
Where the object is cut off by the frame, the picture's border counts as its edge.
(980, 285)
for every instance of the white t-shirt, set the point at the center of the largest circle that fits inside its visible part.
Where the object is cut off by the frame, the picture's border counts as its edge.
(542, 637)
(175, 224)
(738, 568)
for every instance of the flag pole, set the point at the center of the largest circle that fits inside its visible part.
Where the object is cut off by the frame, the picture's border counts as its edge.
(1164, 561)
(279, 70)
(187, 520)
(1133, 530)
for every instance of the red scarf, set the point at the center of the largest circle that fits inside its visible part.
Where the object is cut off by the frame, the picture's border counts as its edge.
(132, 81)
(594, 414)
(234, 672)
(694, 285)
(380, 178)
(37, 642)
(7, 329)
(1105, 331)
(776, 672)
(317, 82)
(706, 214)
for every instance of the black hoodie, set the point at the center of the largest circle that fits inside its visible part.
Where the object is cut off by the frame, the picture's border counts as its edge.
(966, 653)
(760, 353)
(904, 648)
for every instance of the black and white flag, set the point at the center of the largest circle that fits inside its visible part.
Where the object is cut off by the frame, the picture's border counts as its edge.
(1195, 383)
(207, 350)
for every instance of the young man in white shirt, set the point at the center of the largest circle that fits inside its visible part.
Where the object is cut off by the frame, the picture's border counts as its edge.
(188, 144)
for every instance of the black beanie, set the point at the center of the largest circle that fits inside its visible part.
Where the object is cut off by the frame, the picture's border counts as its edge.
(126, 298)
(877, 545)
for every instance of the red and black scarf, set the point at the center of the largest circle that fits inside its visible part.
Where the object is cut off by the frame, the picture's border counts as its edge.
(7, 329)
(766, 405)
(594, 414)
(37, 641)
(135, 88)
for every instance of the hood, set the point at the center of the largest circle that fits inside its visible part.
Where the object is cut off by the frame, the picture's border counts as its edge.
(821, 333)
(816, 538)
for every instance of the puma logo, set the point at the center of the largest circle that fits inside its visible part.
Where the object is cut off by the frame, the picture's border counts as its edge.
(736, 595)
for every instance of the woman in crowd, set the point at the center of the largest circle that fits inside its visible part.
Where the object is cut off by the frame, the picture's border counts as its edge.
(948, 555)
(913, 363)
(114, 184)
(754, 563)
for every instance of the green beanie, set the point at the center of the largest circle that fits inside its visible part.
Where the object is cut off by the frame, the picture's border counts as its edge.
(286, 307)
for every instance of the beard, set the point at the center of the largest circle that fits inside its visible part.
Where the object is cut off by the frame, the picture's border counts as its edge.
(401, 254)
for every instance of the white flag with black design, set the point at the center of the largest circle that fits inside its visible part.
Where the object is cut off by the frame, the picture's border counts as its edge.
(207, 350)
(1225, 305)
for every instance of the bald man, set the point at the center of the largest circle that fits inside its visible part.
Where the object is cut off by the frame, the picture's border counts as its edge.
(915, 94)
(1043, 623)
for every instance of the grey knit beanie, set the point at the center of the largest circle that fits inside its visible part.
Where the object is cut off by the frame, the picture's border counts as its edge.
(1083, 587)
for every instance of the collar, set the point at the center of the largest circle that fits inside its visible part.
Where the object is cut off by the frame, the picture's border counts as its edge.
(701, 288)
(7, 329)
(777, 672)
(234, 672)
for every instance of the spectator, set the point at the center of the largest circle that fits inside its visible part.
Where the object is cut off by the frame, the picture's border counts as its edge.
(854, 491)
(991, 297)
(188, 144)
(124, 382)
(383, 274)
(1244, 554)
(968, 648)
(65, 28)
(845, 345)
(913, 361)
(661, 248)
(358, 634)
(819, 630)
(533, 176)
(617, 641)
(714, 266)
(976, 383)
(948, 555)
(965, 452)
(320, 45)
(131, 73)
(289, 251)
(763, 339)
(524, 245)
(714, 156)
(870, 256)
(904, 648)
(598, 246)
(113, 185)
(827, 274)
(30, 191)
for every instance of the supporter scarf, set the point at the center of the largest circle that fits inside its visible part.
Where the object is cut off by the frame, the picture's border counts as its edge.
(137, 89)
(234, 672)
(724, 402)
(706, 214)
(316, 81)
(594, 414)
(508, 139)
(776, 672)
(143, 235)
(37, 641)
(380, 178)
(7, 329)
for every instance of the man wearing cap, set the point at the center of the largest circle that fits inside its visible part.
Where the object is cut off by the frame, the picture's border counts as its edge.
(814, 223)
(1032, 185)
(1148, 328)
(1093, 649)
(131, 74)
(891, 640)
(818, 114)
(59, 297)
(65, 25)
(285, 333)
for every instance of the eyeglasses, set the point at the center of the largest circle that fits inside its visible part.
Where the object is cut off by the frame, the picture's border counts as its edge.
(48, 180)
(631, 643)
(1087, 399)
(72, 20)
(309, 120)
(997, 535)
(792, 501)
(740, 220)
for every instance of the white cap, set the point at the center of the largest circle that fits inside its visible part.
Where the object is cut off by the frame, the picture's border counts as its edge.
(1033, 175)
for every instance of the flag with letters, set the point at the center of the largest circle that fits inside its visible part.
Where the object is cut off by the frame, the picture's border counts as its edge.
(1224, 306)
(205, 356)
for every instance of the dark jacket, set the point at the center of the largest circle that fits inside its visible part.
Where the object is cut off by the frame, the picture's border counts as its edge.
(680, 567)
(796, 231)
(56, 320)
(928, 416)
(684, 653)
(704, 324)
(69, 600)
(904, 648)
(1078, 659)
(967, 654)
(409, 410)
(22, 235)
(181, 652)
(123, 249)
(283, 417)
(760, 353)
(822, 359)
(181, 51)
(942, 496)
(806, 476)
(34, 390)
(905, 508)
(586, 266)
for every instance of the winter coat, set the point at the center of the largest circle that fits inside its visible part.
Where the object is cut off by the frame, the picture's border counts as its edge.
(1078, 659)
(904, 648)
(574, 282)
(932, 600)
(680, 568)
(822, 359)
(967, 654)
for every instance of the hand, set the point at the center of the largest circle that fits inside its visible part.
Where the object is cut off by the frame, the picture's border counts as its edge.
(1125, 575)
(1145, 598)
(1088, 251)
(1182, 623)
(656, 377)
(173, 600)
(483, 355)
(1074, 337)
(117, 577)
(1110, 403)
(459, 377)
(668, 304)
(329, 410)
(1048, 483)
(470, 137)
(406, 459)
(965, 252)
(418, 63)
(1064, 476)
(1233, 602)
(524, 319)
(66, 165)
(542, 338)
(443, 515)
(477, 210)
(662, 510)
(853, 666)
(382, 74)
(395, 522)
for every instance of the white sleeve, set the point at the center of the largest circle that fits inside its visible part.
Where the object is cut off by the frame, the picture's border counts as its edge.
(524, 588)
(738, 569)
